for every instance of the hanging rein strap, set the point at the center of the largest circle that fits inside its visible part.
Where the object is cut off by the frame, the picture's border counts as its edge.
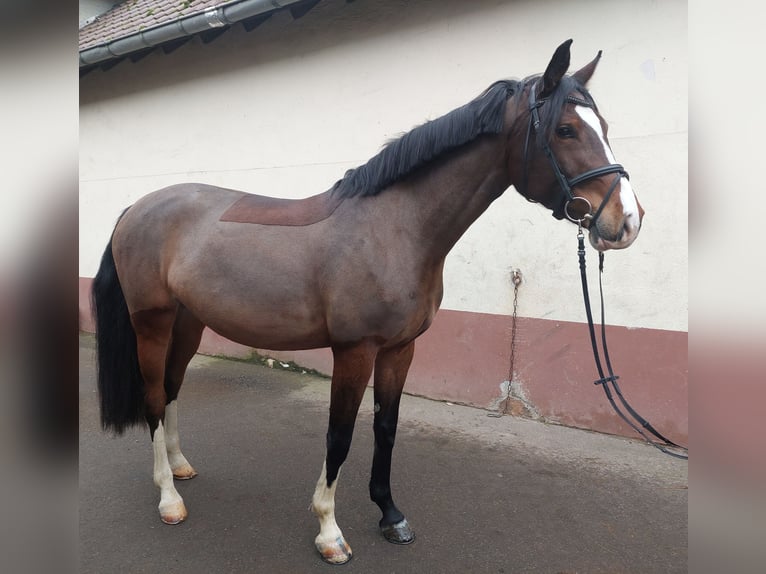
(606, 381)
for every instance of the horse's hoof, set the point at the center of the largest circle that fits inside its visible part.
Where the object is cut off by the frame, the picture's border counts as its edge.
(335, 552)
(398, 533)
(185, 472)
(173, 513)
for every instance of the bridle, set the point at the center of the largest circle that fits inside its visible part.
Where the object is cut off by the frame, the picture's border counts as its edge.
(566, 184)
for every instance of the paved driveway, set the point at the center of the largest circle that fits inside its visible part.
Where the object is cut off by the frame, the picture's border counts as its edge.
(483, 494)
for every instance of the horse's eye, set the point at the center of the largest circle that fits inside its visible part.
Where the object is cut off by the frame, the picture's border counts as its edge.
(565, 132)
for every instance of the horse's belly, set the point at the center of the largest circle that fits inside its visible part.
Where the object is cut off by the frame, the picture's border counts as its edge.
(271, 332)
(292, 340)
(263, 318)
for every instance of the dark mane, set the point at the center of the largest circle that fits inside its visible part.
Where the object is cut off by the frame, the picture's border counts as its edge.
(400, 157)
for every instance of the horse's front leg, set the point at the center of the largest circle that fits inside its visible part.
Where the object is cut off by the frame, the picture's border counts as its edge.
(391, 368)
(351, 371)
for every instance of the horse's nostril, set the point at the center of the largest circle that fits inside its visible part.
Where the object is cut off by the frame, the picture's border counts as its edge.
(631, 223)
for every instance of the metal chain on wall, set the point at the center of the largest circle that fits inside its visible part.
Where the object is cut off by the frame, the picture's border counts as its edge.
(516, 280)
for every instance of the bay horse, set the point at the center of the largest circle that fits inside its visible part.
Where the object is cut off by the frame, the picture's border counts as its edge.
(357, 268)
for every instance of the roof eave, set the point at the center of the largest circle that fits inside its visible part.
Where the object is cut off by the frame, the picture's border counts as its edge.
(212, 18)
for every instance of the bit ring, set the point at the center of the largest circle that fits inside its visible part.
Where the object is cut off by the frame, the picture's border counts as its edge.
(588, 214)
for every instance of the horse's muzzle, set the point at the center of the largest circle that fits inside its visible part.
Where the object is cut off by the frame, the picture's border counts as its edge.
(604, 237)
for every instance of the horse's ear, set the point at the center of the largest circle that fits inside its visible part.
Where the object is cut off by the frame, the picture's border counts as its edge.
(556, 69)
(583, 74)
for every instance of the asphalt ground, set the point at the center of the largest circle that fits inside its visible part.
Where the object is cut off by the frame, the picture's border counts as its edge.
(483, 494)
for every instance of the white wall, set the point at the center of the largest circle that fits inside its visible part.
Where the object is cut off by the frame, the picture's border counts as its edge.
(286, 109)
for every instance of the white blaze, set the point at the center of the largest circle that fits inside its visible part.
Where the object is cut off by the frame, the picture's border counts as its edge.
(627, 197)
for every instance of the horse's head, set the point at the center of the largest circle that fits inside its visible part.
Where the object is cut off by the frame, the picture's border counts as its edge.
(560, 155)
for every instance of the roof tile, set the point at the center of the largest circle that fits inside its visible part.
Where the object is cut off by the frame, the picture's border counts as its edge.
(132, 16)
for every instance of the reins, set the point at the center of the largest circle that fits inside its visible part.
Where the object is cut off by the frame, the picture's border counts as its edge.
(606, 381)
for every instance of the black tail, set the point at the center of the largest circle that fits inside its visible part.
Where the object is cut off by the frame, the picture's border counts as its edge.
(120, 385)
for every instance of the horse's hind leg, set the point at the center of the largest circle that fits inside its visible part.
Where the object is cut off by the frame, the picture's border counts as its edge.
(187, 333)
(391, 368)
(351, 371)
(153, 331)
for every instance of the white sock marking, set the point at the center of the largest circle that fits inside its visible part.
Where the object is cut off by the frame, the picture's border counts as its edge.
(323, 505)
(170, 500)
(176, 458)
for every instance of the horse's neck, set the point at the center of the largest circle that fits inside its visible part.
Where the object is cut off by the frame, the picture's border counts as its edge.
(446, 199)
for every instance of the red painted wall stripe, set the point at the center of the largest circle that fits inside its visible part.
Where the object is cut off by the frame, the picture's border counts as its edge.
(464, 358)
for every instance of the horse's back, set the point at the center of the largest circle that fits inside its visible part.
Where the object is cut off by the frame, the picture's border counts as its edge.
(196, 200)
(185, 202)
(263, 210)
